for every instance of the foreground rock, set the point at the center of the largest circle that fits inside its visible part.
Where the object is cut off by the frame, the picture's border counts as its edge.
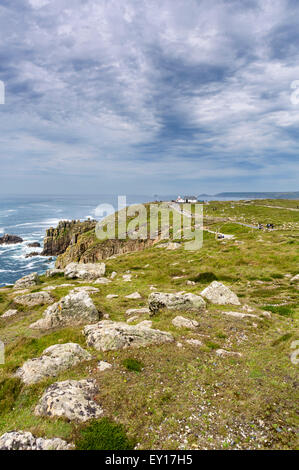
(108, 335)
(224, 353)
(87, 271)
(9, 313)
(10, 239)
(138, 311)
(70, 399)
(295, 278)
(179, 301)
(54, 360)
(182, 322)
(240, 315)
(74, 309)
(134, 296)
(37, 298)
(20, 440)
(218, 293)
(27, 281)
(54, 272)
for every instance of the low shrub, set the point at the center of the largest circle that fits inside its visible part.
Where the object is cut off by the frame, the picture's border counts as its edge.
(10, 389)
(104, 435)
(133, 365)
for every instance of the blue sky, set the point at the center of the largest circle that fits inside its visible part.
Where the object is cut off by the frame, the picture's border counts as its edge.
(149, 96)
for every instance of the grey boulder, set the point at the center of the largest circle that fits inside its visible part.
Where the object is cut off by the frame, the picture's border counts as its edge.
(74, 309)
(54, 360)
(20, 440)
(108, 335)
(27, 281)
(218, 293)
(88, 271)
(71, 399)
(178, 301)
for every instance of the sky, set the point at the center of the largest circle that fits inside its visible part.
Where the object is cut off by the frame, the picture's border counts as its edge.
(149, 96)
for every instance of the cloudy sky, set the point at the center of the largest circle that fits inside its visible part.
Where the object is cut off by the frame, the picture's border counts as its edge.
(149, 96)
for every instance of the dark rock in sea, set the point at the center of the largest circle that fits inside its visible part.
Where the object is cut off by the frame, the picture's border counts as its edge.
(10, 239)
(33, 253)
(34, 245)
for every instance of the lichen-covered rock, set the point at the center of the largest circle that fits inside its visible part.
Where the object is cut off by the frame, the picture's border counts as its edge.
(218, 293)
(20, 440)
(72, 399)
(54, 360)
(240, 315)
(109, 335)
(103, 365)
(74, 309)
(182, 322)
(178, 301)
(138, 311)
(223, 353)
(9, 313)
(89, 271)
(27, 281)
(134, 296)
(89, 289)
(36, 298)
(53, 272)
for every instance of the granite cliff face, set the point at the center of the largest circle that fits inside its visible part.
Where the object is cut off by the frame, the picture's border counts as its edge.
(76, 241)
(58, 239)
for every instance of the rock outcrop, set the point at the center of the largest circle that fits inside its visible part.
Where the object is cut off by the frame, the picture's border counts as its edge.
(27, 281)
(108, 335)
(179, 301)
(36, 298)
(218, 293)
(74, 309)
(54, 360)
(58, 239)
(20, 440)
(34, 245)
(9, 313)
(182, 322)
(89, 271)
(72, 399)
(32, 254)
(10, 239)
(53, 272)
(138, 311)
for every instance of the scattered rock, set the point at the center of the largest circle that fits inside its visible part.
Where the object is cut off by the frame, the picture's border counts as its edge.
(127, 277)
(179, 345)
(37, 298)
(134, 296)
(27, 281)
(218, 293)
(102, 280)
(103, 365)
(71, 399)
(223, 353)
(87, 271)
(10, 239)
(153, 288)
(240, 315)
(9, 313)
(113, 275)
(138, 311)
(88, 289)
(20, 440)
(54, 360)
(109, 335)
(147, 323)
(74, 309)
(191, 283)
(182, 322)
(132, 319)
(111, 296)
(53, 272)
(194, 342)
(170, 246)
(178, 301)
(295, 278)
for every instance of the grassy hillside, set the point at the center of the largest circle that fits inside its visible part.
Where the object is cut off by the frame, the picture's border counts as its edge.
(181, 396)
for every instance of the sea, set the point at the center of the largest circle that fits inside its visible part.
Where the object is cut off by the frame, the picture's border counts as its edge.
(30, 216)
